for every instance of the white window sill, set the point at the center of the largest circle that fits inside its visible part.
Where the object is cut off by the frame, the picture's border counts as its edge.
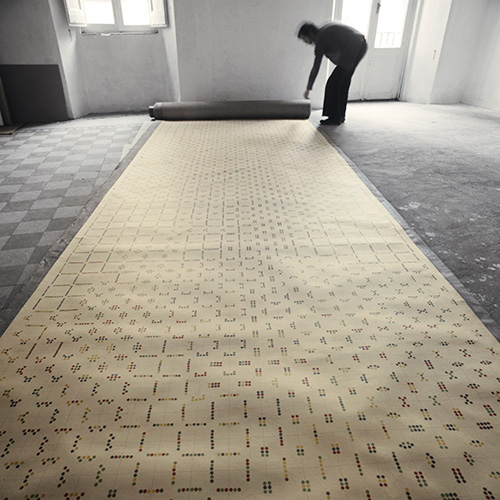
(90, 32)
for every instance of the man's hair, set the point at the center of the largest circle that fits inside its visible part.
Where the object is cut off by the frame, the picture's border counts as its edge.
(308, 29)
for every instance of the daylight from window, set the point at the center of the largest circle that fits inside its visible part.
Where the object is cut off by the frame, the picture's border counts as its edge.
(391, 23)
(356, 13)
(135, 12)
(99, 12)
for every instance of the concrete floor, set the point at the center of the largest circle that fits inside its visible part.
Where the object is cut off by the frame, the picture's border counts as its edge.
(437, 166)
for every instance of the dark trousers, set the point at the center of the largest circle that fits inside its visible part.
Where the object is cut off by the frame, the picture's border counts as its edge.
(337, 89)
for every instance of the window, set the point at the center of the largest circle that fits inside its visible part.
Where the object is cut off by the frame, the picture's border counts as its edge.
(116, 15)
(391, 24)
(356, 13)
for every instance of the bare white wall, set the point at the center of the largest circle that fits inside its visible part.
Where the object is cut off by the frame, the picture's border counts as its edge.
(464, 31)
(27, 35)
(122, 73)
(425, 50)
(482, 87)
(70, 69)
(172, 61)
(455, 55)
(245, 49)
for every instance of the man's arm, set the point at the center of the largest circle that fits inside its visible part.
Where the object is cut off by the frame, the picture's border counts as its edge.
(314, 73)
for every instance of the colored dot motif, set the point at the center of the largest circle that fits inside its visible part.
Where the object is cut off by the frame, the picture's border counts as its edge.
(419, 476)
(174, 473)
(267, 487)
(396, 463)
(406, 445)
(382, 482)
(344, 483)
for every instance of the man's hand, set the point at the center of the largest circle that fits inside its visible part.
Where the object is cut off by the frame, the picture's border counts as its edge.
(306, 94)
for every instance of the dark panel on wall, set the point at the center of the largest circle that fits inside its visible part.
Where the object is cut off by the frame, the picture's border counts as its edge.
(34, 92)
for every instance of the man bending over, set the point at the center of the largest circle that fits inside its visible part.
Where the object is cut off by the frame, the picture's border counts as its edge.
(345, 47)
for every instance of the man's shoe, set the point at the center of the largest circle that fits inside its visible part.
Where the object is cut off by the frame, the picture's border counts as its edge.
(330, 121)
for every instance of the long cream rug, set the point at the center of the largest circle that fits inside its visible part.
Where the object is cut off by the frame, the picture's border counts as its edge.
(241, 318)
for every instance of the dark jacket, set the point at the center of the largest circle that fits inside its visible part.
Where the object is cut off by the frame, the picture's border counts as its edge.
(339, 43)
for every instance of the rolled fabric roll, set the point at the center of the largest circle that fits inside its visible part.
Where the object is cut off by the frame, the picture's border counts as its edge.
(231, 110)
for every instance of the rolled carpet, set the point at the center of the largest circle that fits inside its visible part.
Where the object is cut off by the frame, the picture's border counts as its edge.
(231, 110)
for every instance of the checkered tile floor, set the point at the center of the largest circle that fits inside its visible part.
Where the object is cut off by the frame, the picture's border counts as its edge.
(48, 174)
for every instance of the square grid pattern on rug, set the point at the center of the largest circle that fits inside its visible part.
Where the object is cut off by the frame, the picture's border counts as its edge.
(241, 318)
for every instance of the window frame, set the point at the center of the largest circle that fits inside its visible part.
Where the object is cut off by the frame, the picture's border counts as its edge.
(75, 10)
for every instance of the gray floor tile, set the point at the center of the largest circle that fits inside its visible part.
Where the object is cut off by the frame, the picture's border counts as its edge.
(52, 193)
(22, 241)
(64, 212)
(36, 186)
(80, 191)
(46, 203)
(43, 151)
(87, 174)
(26, 195)
(38, 254)
(58, 184)
(9, 181)
(37, 179)
(97, 153)
(30, 144)
(6, 168)
(10, 188)
(57, 154)
(42, 214)
(17, 206)
(3, 240)
(29, 272)
(5, 292)
(74, 201)
(21, 175)
(50, 237)
(76, 157)
(10, 217)
(7, 229)
(15, 258)
(60, 224)
(93, 161)
(67, 170)
(5, 197)
(31, 161)
(9, 276)
(18, 156)
(32, 226)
